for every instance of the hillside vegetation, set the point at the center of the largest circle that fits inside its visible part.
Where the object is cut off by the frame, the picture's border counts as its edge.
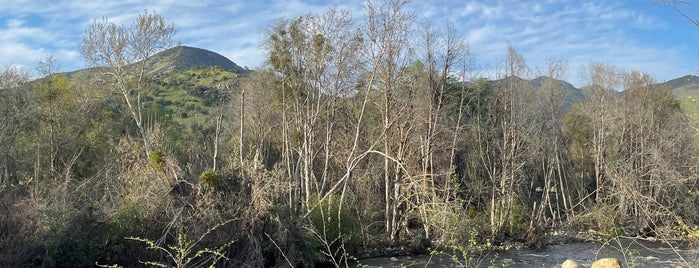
(346, 144)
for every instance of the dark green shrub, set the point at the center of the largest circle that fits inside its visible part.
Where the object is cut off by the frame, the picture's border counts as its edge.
(212, 179)
(75, 238)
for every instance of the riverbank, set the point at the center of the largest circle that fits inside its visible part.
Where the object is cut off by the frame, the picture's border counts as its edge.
(629, 252)
(584, 247)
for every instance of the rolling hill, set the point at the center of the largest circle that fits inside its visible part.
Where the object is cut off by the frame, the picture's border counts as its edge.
(183, 83)
(687, 82)
(182, 58)
(686, 91)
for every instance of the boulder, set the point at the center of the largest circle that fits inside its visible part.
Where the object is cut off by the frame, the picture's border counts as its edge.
(606, 263)
(570, 264)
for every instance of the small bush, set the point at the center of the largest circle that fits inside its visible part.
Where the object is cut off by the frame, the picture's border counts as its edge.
(157, 160)
(331, 231)
(518, 221)
(212, 179)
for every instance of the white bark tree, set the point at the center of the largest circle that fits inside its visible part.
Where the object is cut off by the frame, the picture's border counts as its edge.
(121, 53)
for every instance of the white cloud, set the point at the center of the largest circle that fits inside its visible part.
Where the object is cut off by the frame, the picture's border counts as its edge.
(581, 31)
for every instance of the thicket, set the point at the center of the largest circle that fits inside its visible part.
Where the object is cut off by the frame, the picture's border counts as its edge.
(357, 137)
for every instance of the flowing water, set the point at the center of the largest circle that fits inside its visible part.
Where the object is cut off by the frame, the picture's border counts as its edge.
(629, 252)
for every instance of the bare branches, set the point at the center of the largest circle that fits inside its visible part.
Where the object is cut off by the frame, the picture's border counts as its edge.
(115, 47)
(682, 7)
(13, 76)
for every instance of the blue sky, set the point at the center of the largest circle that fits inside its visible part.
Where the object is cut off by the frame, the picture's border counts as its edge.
(630, 34)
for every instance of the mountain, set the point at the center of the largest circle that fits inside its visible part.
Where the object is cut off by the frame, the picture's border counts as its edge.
(568, 93)
(176, 59)
(181, 58)
(184, 84)
(687, 82)
(686, 91)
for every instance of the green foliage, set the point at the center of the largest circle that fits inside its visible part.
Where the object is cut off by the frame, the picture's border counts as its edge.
(212, 179)
(449, 143)
(126, 221)
(55, 90)
(186, 250)
(333, 227)
(157, 160)
(75, 238)
(518, 221)
(687, 232)
(470, 253)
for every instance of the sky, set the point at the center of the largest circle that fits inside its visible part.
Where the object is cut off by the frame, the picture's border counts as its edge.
(630, 34)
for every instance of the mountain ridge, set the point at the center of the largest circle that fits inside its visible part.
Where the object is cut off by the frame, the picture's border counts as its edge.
(181, 58)
(177, 58)
(687, 82)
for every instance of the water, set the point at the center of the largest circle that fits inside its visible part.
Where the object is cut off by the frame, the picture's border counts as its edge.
(629, 252)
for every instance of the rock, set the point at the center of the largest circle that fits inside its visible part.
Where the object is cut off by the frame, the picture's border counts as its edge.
(606, 263)
(394, 259)
(570, 264)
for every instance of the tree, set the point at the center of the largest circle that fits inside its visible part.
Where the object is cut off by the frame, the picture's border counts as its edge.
(388, 29)
(548, 166)
(315, 56)
(434, 112)
(604, 81)
(55, 100)
(13, 114)
(123, 51)
(651, 155)
(504, 139)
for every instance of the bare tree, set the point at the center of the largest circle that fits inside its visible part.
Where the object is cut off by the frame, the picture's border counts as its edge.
(123, 51)
(604, 81)
(54, 96)
(315, 59)
(13, 110)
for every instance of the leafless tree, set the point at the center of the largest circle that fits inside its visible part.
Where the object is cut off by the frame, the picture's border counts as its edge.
(13, 100)
(122, 52)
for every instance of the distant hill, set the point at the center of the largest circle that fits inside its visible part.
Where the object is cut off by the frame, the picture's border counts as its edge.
(569, 93)
(686, 91)
(184, 85)
(687, 82)
(181, 58)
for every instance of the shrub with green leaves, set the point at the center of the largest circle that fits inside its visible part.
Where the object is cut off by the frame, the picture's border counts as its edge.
(212, 179)
(157, 160)
(333, 230)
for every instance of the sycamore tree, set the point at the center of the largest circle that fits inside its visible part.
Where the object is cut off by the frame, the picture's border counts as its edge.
(13, 99)
(122, 52)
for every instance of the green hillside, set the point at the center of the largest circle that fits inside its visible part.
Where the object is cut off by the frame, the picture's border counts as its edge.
(184, 84)
(686, 91)
(187, 96)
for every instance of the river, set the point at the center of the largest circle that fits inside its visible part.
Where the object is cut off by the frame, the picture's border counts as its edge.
(629, 252)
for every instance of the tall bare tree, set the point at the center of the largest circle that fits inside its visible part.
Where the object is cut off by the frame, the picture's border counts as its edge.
(314, 56)
(388, 28)
(13, 100)
(604, 81)
(121, 52)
